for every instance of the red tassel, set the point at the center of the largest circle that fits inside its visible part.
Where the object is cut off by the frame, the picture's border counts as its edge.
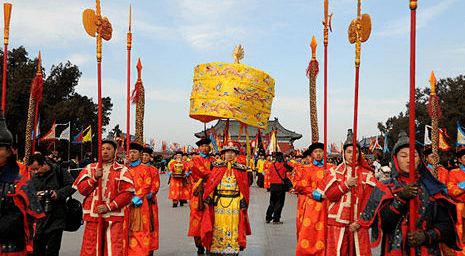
(37, 87)
(313, 68)
(136, 93)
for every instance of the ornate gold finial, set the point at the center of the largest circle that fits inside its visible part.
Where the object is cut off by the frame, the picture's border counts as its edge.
(359, 32)
(39, 68)
(129, 35)
(238, 53)
(327, 23)
(432, 81)
(139, 70)
(96, 26)
(413, 4)
(6, 15)
(129, 18)
(313, 44)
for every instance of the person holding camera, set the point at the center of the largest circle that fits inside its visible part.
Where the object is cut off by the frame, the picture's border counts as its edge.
(53, 186)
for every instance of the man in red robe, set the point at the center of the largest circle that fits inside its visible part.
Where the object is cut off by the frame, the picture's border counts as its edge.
(340, 183)
(180, 189)
(311, 209)
(152, 200)
(456, 189)
(200, 167)
(139, 216)
(227, 196)
(118, 189)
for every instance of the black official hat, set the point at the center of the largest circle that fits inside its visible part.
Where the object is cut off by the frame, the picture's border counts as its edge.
(148, 150)
(203, 141)
(135, 146)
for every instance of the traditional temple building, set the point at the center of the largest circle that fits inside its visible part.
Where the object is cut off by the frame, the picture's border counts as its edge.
(284, 136)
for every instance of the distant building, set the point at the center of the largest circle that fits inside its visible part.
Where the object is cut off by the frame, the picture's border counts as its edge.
(284, 137)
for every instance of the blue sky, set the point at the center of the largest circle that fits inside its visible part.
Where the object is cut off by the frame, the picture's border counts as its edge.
(172, 36)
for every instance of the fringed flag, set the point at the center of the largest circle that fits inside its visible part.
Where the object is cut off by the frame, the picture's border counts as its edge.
(51, 134)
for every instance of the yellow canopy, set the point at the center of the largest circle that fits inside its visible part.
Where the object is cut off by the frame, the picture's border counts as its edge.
(231, 91)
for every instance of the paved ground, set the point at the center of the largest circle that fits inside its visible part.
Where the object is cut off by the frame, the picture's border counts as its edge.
(266, 239)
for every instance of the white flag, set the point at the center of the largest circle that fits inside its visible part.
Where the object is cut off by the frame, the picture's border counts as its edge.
(65, 134)
(427, 140)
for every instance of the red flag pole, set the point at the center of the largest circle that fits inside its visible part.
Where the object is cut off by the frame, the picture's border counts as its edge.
(412, 215)
(6, 34)
(129, 44)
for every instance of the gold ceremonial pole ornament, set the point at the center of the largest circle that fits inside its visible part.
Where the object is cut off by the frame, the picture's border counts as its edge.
(6, 35)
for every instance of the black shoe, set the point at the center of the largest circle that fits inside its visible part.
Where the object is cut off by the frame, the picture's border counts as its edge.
(200, 250)
(175, 205)
(181, 203)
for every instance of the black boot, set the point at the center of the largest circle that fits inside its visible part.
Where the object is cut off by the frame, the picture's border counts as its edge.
(200, 250)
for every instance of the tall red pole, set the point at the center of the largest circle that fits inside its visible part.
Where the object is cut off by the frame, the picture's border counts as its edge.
(6, 34)
(128, 123)
(412, 215)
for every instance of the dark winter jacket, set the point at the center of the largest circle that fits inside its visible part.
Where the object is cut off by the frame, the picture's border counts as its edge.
(59, 180)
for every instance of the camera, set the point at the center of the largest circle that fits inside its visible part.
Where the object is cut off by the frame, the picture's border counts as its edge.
(47, 196)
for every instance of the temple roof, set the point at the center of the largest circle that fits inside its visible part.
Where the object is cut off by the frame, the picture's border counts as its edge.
(283, 135)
